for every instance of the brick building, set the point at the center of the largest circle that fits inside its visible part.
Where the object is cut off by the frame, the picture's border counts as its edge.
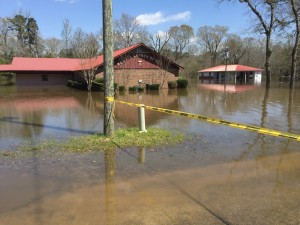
(135, 65)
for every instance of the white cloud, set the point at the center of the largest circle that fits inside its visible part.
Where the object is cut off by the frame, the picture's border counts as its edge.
(161, 33)
(159, 17)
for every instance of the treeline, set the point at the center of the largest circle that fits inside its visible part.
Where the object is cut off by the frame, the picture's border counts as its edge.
(272, 44)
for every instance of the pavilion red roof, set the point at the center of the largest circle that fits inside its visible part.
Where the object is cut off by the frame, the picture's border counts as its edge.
(59, 64)
(230, 68)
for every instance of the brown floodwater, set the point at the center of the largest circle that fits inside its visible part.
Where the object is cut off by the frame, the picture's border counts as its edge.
(219, 175)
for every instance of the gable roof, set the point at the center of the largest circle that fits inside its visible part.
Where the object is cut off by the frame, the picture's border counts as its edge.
(65, 64)
(230, 68)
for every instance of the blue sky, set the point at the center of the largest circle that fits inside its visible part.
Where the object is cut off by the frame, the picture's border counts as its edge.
(156, 15)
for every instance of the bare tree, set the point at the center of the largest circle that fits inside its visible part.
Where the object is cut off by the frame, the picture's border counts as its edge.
(66, 35)
(254, 55)
(6, 41)
(293, 9)
(78, 42)
(211, 38)
(265, 12)
(237, 48)
(180, 40)
(88, 54)
(295, 5)
(159, 41)
(128, 32)
(52, 47)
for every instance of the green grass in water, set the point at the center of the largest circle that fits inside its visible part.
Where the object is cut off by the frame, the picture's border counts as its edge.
(122, 138)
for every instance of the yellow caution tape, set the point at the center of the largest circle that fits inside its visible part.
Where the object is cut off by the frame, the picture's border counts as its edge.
(218, 121)
(109, 99)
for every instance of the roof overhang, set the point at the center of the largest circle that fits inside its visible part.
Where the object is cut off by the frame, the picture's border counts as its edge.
(230, 68)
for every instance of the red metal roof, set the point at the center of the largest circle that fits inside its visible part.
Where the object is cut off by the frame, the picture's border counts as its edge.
(61, 64)
(230, 68)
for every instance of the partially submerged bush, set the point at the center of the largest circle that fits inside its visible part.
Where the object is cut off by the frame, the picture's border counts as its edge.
(140, 89)
(154, 87)
(182, 83)
(172, 84)
(132, 89)
(122, 88)
(97, 85)
(77, 85)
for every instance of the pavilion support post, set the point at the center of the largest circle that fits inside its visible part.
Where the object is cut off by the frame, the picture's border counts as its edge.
(235, 78)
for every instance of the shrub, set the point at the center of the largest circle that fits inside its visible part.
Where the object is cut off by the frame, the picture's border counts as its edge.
(140, 89)
(182, 83)
(172, 84)
(116, 86)
(99, 80)
(132, 89)
(76, 85)
(153, 87)
(98, 84)
(122, 88)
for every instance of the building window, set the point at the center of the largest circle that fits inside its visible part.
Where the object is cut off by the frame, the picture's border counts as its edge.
(44, 77)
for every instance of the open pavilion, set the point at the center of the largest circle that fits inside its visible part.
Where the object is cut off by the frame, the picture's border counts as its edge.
(234, 74)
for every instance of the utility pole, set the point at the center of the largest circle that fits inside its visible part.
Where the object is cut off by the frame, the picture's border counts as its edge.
(108, 39)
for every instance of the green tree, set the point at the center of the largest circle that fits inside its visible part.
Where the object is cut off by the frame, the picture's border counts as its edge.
(26, 30)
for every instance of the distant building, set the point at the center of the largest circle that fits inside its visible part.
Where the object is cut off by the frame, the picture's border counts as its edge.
(235, 74)
(135, 65)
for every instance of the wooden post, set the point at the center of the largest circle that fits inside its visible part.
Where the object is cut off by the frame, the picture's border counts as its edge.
(108, 39)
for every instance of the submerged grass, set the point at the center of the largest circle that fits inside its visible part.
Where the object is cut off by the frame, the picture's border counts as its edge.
(122, 138)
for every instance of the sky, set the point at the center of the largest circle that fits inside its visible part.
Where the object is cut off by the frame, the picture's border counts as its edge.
(156, 15)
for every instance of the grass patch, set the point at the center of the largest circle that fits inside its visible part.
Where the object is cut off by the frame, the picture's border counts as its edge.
(122, 138)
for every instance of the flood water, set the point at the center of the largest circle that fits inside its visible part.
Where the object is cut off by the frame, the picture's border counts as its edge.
(219, 175)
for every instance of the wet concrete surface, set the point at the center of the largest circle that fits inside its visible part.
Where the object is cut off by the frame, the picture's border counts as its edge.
(185, 184)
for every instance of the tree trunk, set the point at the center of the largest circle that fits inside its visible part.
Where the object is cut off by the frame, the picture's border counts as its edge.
(296, 45)
(89, 86)
(267, 63)
(294, 66)
(108, 67)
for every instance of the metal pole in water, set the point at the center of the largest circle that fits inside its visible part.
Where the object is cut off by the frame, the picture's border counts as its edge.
(141, 115)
